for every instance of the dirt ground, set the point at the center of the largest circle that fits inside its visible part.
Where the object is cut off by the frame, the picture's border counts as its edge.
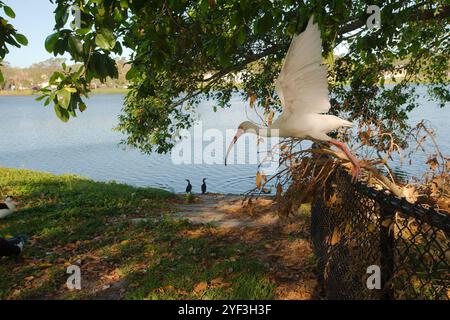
(283, 244)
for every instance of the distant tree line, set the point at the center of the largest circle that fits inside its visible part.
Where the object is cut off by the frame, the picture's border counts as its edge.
(38, 74)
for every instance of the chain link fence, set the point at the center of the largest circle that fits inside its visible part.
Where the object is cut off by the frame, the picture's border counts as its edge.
(354, 226)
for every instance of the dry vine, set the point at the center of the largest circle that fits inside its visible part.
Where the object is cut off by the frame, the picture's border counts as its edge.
(304, 172)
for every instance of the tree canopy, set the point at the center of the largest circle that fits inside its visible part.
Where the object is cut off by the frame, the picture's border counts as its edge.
(186, 50)
(8, 34)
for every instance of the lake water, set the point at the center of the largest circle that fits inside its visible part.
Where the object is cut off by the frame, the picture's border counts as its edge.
(33, 138)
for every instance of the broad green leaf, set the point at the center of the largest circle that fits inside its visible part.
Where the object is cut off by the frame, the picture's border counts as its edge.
(21, 39)
(83, 31)
(70, 89)
(124, 4)
(72, 113)
(50, 42)
(105, 39)
(75, 46)
(131, 74)
(63, 97)
(61, 46)
(241, 36)
(111, 68)
(82, 106)
(62, 114)
(118, 48)
(9, 12)
(56, 77)
(62, 15)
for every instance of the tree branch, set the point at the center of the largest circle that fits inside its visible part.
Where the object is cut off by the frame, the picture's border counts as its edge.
(423, 15)
(217, 76)
(273, 49)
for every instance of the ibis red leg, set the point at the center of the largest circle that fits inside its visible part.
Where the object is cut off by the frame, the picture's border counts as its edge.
(356, 169)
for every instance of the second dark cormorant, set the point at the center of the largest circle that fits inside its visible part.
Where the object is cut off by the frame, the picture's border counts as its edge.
(204, 186)
(189, 187)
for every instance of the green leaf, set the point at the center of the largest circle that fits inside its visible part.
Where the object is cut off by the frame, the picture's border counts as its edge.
(241, 36)
(264, 24)
(111, 68)
(61, 46)
(61, 15)
(55, 77)
(83, 31)
(21, 39)
(70, 89)
(40, 98)
(75, 46)
(105, 39)
(118, 49)
(82, 106)
(204, 6)
(63, 97)
(50, 42)
(124, 4)
(62, 114)
(131, 74)
(2, 79)
(9, 12)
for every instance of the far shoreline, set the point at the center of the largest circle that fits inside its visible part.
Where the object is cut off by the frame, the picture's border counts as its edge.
(30, 92)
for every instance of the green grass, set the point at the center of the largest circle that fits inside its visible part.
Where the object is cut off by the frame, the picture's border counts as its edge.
(110, 91)
(70, 218)
(27, 92)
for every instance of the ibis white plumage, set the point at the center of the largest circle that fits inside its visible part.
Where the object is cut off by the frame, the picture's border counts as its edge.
(302, 87)
(7, 208)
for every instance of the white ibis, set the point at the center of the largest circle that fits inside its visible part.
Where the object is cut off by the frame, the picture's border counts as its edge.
(204, 186)
(189, 187)
(7, 208)
(302, 87)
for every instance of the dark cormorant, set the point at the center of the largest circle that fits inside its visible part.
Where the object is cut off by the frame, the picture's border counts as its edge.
(204, 186)
(189, 187)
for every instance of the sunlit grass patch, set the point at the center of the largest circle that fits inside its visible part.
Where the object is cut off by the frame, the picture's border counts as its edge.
(74, 220)
(199, 269)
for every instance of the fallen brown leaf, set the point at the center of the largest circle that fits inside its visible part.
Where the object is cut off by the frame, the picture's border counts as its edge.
(200, 287)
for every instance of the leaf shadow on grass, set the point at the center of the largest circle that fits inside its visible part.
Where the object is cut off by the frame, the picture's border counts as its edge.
(148, 261)
(69, 218)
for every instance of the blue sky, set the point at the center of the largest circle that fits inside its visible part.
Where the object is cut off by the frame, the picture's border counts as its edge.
(34, 19)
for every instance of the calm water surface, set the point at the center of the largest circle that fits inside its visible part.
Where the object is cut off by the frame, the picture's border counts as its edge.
(33, 138)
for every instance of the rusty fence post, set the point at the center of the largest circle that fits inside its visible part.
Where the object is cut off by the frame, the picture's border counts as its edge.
(387, 243)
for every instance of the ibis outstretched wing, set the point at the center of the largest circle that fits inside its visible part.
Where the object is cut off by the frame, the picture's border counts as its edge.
(302, 84)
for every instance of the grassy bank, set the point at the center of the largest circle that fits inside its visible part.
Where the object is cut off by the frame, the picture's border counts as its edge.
(123, 238)
(9, 93)
(32, 92)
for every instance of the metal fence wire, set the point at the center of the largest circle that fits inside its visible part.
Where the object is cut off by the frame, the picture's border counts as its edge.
(354, 226)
